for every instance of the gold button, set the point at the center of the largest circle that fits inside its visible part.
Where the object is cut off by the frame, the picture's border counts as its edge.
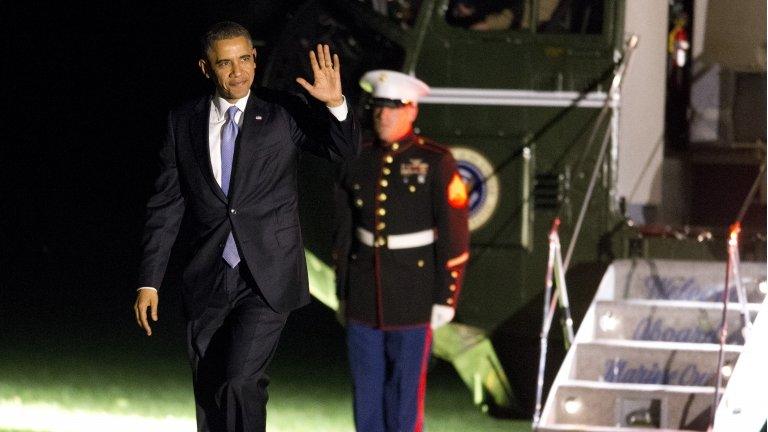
(382, 197)
(455, 274)
(356, 186)
(382, 212)
(386, 171)
(381, 241)
(412, 188)
(421, 140)
(359, 202)
(449, 301)
(452, 287)
(380, 226)
(395, 146)
(388, 159)
(383, 182)
(420, 263)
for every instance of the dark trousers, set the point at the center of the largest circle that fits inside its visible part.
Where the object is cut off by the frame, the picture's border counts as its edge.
(389, 376)
(230, 346)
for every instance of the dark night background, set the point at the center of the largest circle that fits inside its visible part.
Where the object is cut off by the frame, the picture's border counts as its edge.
(90, 88)
(87, 92)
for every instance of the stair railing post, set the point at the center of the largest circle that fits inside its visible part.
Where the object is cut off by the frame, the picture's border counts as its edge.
(562, 291)
(556, 266)
(555, 292)
(547, 315)
(731, 269)
(741, 292)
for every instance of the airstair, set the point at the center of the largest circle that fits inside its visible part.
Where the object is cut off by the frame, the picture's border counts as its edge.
(646, 354)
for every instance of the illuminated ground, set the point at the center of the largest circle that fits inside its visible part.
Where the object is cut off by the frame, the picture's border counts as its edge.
(74, 368)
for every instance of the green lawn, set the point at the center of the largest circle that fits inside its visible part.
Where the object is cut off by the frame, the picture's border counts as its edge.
(116, 370)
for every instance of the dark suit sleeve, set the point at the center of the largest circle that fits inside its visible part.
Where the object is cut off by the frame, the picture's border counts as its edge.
(165, 210)
(342, 235)
(315, 130)
(451, 220)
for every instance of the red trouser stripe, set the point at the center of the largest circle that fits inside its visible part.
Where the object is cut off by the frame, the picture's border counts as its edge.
(423, 381)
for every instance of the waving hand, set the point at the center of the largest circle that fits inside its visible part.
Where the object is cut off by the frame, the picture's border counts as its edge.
(327, 78)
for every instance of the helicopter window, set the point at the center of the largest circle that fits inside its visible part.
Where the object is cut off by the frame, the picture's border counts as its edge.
(486, 15)
(570, 16)
(401, 12)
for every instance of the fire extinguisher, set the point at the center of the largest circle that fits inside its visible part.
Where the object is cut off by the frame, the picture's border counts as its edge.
(679, 45)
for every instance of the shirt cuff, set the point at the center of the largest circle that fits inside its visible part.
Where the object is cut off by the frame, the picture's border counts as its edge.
(152, 288)
(341, 111)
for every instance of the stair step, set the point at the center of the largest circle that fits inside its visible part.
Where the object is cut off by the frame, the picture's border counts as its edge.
(668, 320)
(684, 280)
(631, 405)
(666, 363)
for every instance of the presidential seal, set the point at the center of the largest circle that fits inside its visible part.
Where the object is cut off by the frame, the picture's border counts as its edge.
(483, 186)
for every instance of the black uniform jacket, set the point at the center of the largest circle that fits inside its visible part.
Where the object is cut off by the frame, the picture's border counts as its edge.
(261, 209)
(408, 187)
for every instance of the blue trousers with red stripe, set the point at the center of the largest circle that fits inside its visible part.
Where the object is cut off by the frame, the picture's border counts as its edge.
(389, 377)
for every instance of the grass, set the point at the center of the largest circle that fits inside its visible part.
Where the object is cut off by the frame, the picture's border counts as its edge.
(112, 368)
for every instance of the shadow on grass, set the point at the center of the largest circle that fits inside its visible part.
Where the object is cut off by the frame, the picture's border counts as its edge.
(92, 357)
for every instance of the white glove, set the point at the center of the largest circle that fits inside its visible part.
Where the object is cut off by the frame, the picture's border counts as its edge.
(441, 315)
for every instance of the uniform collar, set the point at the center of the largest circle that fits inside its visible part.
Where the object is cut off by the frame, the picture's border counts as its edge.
(400, 145)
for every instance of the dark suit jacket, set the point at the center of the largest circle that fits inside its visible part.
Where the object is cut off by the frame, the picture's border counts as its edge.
(262, 207)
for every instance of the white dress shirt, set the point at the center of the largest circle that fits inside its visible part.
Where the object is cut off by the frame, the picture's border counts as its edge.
(217, 118)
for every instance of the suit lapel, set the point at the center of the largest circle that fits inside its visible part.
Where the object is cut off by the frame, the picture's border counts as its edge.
(199, 134)
(248, 140)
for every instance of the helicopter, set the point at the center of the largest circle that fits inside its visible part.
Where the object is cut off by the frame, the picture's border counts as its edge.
(525, 95)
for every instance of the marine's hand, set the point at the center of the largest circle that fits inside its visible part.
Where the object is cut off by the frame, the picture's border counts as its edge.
(145, 298)
(327, 78)
(441, 315)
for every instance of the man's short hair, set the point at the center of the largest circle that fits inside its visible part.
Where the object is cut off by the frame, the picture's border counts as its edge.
(219, 31)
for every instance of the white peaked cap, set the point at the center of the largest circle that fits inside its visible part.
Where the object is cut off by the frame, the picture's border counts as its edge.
(388, 84)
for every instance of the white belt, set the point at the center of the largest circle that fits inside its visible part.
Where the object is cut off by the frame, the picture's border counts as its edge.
(398, 241)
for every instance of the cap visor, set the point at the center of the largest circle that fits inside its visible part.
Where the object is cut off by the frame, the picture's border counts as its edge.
(391, 103)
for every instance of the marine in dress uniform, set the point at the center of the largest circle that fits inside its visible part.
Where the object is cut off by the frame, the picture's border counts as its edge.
(401, 248)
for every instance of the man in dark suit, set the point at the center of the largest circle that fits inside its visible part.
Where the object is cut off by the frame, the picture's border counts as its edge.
(227, 187)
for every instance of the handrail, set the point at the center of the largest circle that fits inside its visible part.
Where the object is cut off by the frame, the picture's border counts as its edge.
(732, 269)
(555, 278)
(421, 29)
(751, 195)
(614, 94)
(555, 265)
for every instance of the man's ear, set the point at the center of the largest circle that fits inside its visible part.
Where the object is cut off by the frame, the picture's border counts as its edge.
(203, 65)
(254, 55)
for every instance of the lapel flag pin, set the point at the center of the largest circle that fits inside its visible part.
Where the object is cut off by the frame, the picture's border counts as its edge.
(257, 117)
